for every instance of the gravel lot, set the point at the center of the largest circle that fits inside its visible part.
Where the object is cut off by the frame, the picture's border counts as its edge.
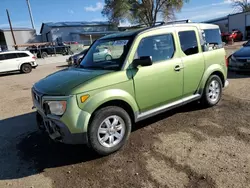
(186, 147)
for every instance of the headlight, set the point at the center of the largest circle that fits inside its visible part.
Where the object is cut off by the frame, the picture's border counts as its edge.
(57, 107)
(233, 58)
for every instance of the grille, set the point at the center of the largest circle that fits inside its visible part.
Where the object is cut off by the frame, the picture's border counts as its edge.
(242, 60)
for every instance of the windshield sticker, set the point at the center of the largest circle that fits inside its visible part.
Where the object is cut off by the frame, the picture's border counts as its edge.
(120, 42)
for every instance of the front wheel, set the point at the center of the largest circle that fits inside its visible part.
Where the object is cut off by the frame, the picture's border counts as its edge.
(109, 130)
(213, 91)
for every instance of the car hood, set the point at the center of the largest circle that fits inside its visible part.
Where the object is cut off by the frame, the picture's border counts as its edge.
(62, 82)
(243, 52)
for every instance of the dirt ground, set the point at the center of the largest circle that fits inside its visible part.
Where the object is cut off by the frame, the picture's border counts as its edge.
(187, 147)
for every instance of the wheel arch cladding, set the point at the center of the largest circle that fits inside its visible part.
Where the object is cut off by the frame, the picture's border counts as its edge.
(213, 70)
(221, 76)
(112, 97)
(118, 103)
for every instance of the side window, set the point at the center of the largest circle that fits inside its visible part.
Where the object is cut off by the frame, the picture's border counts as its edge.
(213, 39)
(10, 56)
(160, 47)
(22, 55)
(188, 41)
(1, 57)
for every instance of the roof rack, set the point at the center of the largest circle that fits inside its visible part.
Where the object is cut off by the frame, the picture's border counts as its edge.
(179, 21)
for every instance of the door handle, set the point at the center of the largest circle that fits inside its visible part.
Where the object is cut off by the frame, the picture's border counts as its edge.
(178, 68)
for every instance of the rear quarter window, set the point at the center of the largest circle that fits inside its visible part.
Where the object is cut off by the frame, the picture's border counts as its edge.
(22, 55)
(213, 39)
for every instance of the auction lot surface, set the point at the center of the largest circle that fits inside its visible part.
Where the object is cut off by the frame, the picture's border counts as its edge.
(187, 147)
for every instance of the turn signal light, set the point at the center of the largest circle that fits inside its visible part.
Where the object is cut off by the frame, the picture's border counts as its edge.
(84, 98)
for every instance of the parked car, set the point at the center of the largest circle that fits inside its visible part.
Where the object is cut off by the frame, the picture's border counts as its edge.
(236, 35)
(44, 51)
(225, 36)
(152, 70)
(23, 61)
(240, 60)
(76, 59)
(102, 54)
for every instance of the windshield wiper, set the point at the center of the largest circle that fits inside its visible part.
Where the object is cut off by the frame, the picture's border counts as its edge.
(93, 67)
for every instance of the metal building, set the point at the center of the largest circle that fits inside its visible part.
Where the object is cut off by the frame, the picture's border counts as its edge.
(82, 32)
(22, 36)
(221, 22)
(239, 21)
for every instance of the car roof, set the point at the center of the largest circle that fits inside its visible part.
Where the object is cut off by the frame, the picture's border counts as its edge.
(133, 33)
(14, 51)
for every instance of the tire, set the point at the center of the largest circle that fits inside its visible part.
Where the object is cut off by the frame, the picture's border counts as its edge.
(26, 68)
(108, 58)
(79, 61)
(212, 92)
(44, 54)
(98, 130)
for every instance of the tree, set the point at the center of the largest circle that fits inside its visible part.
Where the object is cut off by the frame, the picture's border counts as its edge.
(141, 11)
(241, 5)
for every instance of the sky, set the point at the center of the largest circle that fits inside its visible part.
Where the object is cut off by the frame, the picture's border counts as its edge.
(90, 10)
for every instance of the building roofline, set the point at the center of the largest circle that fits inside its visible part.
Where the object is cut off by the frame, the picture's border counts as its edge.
(17, 29)
(239, 13)
(216, 19)
(73, 24)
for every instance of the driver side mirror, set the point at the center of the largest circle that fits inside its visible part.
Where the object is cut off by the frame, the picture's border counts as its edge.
(143, 61)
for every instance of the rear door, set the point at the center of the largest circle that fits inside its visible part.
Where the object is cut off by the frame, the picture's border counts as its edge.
(10, 62)
(192, 58)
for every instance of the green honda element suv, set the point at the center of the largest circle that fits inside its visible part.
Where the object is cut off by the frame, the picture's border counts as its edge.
(152, 70)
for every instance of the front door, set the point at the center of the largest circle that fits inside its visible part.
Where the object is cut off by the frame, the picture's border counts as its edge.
(162, 82)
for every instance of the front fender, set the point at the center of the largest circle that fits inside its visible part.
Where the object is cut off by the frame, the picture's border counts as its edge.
(99, 98)
(209, 71)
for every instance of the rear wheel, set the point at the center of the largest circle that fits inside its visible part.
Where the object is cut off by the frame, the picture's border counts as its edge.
(212, 92)
(26, 68)
(109, 130)
(44, 55)
(108, 58)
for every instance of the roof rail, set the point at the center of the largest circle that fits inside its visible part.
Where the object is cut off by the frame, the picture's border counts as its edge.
(179, 21)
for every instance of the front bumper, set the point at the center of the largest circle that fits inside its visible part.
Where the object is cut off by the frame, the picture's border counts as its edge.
(71, 128)
(58, 131)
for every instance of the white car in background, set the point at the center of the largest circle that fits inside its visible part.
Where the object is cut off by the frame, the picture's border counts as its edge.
(103, 54)
(22, 61)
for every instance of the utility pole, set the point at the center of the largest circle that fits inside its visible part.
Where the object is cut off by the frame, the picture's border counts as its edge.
(31, 17)
(11, 29)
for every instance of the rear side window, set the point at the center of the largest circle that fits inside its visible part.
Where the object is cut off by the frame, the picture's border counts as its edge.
(189, 44)
(22, 55)
(10, 56)
(213, 38)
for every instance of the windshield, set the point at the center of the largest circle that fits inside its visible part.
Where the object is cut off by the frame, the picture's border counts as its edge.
(247, 43)
(107, 54)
